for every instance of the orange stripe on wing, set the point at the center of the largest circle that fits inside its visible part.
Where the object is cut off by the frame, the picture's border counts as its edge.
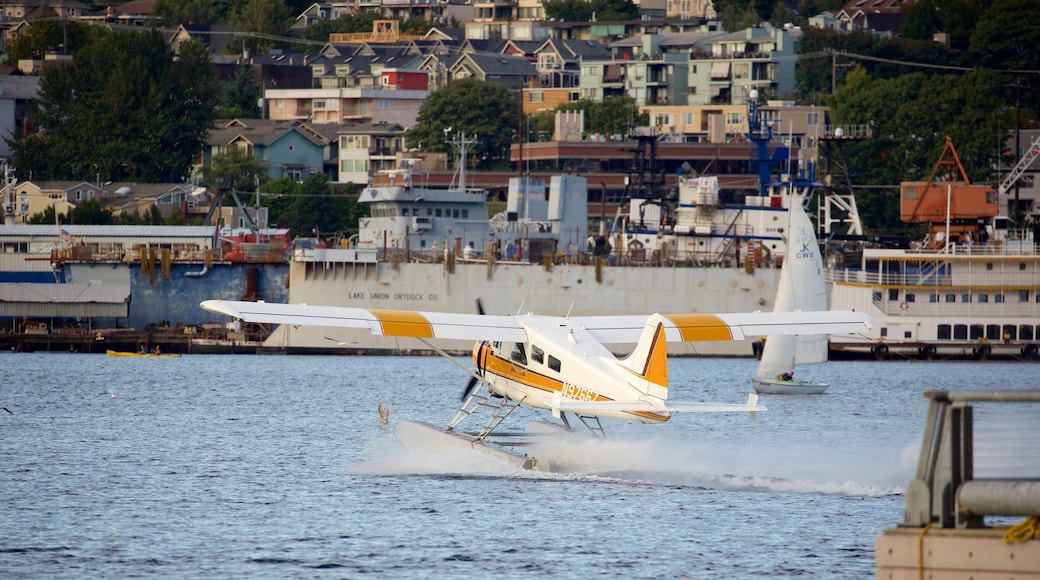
(403, 323)
(697, 327)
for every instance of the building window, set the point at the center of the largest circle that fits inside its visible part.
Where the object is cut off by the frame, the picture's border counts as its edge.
(537, 97)
(1023, 295)
(966, 298)
(295, 174)
(998, 298)
(933, 297)
(983, 298)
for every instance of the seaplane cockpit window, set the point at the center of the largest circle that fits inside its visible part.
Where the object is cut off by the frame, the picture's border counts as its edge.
(518, 355)
(537, 354)
(554, 363)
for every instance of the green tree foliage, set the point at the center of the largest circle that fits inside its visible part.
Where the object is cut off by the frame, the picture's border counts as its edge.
(485, 111)
(912, 115)
(611, 116)
(178, 12)
(580, 10)
(241, 96)
(314, 206)
(817, 72)
(321, 30)
(568, 10)
(144, 120)
(50, 35)
(244, 169)
(264, 18)
(1007, 38)
(88, 212)
(738, 15)
(540, 126)
(957, 18)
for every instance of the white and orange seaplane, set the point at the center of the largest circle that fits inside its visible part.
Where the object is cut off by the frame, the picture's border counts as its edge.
(558, 363)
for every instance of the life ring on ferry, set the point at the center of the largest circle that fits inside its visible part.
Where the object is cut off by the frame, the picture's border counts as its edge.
(903, 306)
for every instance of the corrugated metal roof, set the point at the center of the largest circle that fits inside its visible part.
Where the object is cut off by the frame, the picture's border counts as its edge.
(65, 293)
(87, 231)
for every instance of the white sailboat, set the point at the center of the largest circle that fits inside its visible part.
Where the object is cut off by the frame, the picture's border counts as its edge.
(801, 288)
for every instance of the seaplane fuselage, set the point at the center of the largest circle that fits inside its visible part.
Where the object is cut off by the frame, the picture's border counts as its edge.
(562, 361)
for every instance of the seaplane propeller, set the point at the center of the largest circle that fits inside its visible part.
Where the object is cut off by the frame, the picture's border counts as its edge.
(469, 388)
(473, 379)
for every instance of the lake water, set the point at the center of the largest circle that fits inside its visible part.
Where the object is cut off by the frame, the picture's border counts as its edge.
(246, 466)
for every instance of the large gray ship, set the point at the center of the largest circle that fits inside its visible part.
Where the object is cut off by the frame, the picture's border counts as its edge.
(432, 250)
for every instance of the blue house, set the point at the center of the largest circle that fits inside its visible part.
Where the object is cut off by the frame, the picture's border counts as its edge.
(290, 149)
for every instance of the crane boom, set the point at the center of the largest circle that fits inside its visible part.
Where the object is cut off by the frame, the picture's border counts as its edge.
(1020, 167)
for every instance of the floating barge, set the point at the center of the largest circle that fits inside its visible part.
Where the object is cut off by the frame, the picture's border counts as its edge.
(978, 460)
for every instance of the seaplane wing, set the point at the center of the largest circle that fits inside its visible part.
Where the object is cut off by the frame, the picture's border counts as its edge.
(606, 329)
(379, 322)
(732, 326)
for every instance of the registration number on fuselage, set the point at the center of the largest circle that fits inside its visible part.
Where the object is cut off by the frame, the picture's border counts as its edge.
(577, 393)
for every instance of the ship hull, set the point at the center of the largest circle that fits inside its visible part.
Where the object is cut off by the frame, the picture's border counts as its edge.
(509, 288)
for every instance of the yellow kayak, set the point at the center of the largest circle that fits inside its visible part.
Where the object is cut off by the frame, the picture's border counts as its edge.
(142, 354)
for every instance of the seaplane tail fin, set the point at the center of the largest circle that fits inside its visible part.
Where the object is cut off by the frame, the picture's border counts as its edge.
(648, 363)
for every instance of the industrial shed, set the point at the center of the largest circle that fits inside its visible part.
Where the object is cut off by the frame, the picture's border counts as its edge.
(84, 302)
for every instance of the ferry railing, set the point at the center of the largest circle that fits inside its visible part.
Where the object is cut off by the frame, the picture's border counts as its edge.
(962, 478)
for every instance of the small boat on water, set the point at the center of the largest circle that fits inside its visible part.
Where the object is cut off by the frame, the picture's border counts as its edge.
(142, 354)
(801, 288)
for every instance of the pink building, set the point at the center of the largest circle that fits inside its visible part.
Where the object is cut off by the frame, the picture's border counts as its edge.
(347, 105)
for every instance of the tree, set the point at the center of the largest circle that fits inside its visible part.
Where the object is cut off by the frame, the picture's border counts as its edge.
(144, 120)
(49, 35)
(568, 10)
(912, 115)
(485, 111)
(240, 98)
(580, 10)
(244, 169)
(317, 206)
(263, 17)
(611, 116)
(321, 29)
(1006, 38)
(178, 12)
(738, 16)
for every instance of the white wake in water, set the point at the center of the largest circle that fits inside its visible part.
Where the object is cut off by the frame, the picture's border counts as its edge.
(772, 467)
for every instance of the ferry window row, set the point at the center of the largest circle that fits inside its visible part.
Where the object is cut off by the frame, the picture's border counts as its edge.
(965, 297)
(994, 332)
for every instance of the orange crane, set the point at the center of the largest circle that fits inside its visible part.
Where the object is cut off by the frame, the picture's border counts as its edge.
(955, 210)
